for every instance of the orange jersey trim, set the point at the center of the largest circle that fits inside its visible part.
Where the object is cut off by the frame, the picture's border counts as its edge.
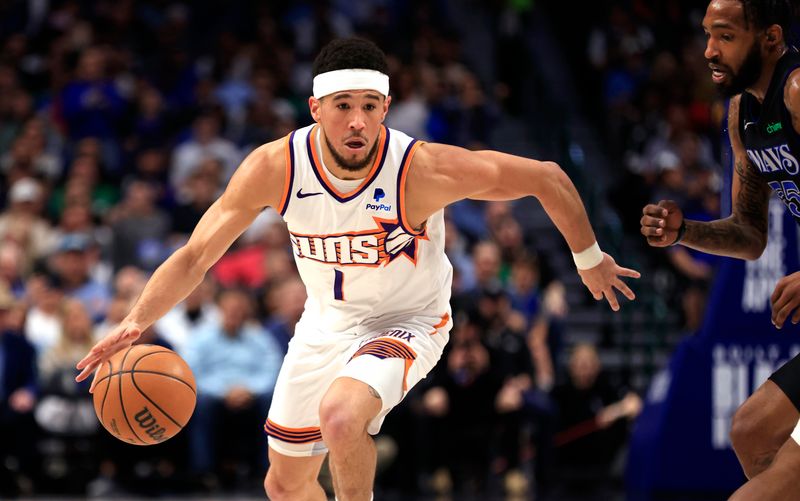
(401, 189)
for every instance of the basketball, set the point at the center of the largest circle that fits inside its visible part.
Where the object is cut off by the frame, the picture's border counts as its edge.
(145, 394)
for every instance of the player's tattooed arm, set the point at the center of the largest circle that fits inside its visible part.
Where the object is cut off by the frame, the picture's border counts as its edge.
(373, 392)
(744, 233)
(746, 229)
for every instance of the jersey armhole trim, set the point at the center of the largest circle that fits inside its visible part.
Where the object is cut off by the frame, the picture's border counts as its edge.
(401, 188)
(288, 149)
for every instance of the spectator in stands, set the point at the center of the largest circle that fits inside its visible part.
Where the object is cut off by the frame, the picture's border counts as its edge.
(154, 124)
(18, 393)
(139, 229)
(12, 267)
(28, 156)
(151, 166)
(92, 105)
(461, 403)
(235, 363)
(284, 303)
(66, 407)
(72, 266)
(43, 322)
(199, 191)
(487, 261)
(206, 142)
(22, 222)
(197, 313)
(592, 426)
(85, 185)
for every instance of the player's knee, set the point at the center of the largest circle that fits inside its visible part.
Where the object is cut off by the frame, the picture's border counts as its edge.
(746, 430)
(339, 422)
(280, 488)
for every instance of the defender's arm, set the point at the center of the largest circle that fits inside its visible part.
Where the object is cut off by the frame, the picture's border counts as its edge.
(743, 234)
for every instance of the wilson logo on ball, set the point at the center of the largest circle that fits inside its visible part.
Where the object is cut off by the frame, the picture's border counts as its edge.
(150, 425)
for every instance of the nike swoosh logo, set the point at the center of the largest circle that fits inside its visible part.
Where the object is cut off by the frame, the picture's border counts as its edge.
(300, 193)
(748, 124)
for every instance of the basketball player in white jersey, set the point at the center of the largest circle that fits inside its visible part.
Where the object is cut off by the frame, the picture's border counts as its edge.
(364, 208)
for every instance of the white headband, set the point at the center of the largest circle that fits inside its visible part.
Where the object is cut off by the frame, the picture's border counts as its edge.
(336, 81)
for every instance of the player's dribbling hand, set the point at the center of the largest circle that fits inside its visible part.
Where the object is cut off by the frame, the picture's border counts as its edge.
(121, 337)
(786, 299)
(660, 223)
(605, 277)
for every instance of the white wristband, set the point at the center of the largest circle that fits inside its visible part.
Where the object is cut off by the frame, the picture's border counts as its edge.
(588, 258)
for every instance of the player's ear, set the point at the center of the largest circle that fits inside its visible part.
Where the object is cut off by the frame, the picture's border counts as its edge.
(774, 36)
(386, 103)
(314, 105)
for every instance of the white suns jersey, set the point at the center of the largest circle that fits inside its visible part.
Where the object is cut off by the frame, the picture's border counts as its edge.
(361, 262)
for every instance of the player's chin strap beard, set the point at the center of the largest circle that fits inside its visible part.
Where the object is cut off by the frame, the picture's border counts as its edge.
(349, 166)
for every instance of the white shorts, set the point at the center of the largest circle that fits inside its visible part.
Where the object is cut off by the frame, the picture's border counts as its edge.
(390, 359)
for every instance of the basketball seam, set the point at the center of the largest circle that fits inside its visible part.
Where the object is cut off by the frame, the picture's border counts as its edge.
(122, 401)
(154, 372)
(152, 402)
(145, 355)
(105, 394)
(133, 379)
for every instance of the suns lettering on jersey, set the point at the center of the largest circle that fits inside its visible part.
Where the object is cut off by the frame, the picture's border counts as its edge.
(373, 247)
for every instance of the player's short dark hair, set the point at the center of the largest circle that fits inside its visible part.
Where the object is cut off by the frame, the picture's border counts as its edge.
(350, 54)
(762, 14)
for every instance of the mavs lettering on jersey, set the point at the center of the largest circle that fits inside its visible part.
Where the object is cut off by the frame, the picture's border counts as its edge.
(375, 247)
(776, 158)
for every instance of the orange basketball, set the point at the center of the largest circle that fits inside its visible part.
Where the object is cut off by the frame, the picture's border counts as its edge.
(144, 394)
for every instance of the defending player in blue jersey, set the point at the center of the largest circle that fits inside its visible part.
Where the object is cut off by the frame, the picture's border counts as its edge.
(752, 63)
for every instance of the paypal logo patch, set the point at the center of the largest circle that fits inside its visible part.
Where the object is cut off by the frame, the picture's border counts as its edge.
(378, 195)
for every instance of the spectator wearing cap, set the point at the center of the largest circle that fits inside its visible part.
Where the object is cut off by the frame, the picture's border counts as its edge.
(18, 393)
(22, 223)
(71, 265)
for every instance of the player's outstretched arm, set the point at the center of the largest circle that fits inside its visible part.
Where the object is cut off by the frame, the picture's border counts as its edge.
(257, 183)
(442, 174)
(743, 234)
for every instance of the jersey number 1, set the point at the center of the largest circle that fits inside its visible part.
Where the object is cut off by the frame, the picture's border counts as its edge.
(338, 283)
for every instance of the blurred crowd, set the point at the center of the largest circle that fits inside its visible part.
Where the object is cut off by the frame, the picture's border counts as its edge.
(646, 85)
(120, 124)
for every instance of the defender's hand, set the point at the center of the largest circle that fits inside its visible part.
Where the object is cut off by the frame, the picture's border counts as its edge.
(121, 337)
(605, 277)
(786, 299)
(660, 223)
